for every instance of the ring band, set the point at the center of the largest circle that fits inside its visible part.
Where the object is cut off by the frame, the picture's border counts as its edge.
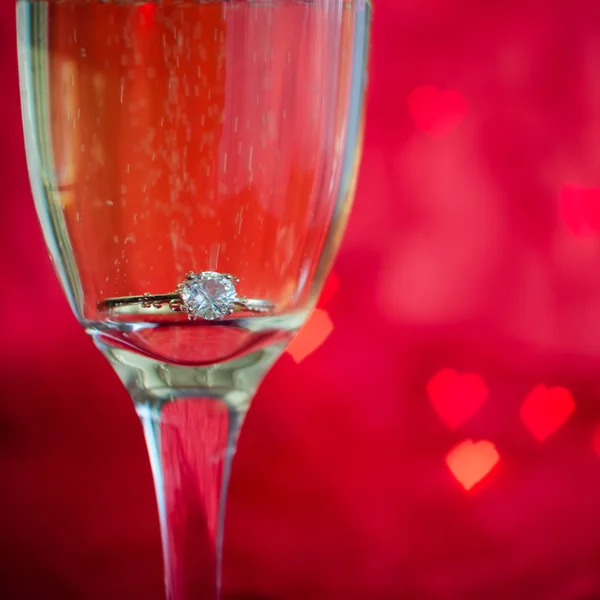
(207, 295)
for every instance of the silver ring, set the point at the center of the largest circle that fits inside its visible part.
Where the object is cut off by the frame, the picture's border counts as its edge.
(207, 295)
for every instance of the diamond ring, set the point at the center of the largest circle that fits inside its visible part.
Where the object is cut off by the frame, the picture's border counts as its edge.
(207, 295)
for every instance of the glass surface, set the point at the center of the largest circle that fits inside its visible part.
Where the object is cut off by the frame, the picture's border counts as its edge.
(170, 137)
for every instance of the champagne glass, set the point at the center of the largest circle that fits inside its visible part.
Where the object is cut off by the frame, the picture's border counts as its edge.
(193, 166)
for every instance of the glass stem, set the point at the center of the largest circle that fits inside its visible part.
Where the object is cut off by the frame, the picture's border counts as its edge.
(191, 417)
(191, 442)
(235, 422)
(150, 421)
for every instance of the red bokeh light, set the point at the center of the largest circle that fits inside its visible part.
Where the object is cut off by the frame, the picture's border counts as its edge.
(470, 461)
(456, 397)
(330, 289)
(316, 330)
(546, 409)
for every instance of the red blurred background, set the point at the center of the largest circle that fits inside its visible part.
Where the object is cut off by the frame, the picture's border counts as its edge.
(433, 432)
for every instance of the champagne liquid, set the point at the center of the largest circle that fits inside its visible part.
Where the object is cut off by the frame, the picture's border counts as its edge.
(171, 137)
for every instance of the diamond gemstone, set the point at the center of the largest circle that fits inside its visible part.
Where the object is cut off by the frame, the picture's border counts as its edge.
(209, 295)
